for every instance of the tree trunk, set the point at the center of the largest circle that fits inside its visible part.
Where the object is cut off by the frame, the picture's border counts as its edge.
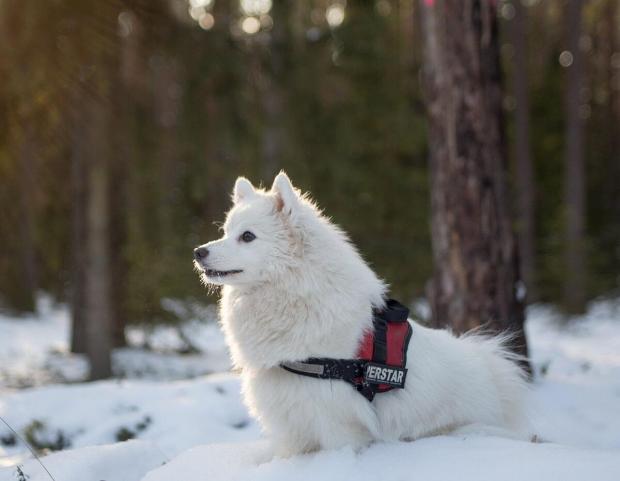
(611, 54)
(574, 179)
(130, 86)
(524, 167)
(272, 84)
(78, 236)
(118, 170)
(476, 276)
(98, 292)
(167, 108)
(27, 250)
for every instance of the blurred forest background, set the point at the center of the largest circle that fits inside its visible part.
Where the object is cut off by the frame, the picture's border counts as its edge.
(123, 124)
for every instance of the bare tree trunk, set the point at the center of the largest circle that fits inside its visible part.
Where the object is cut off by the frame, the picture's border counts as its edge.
(131, 88)
(28, 269)
(274, 97)
(98, 294)
(524, 167)
(78, 236)
(167, 107)
(612, 58)
(223, 153)
(124, 73)
(118, 170)
(476, 275)
(574, 180)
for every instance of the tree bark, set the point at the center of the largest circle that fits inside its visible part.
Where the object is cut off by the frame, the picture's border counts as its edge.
(611, 39)
(476, 278)
(574, 176)
(118, 170)
(272, 84)
(98, 292)
(524, 167)
(27, 252)
(78, 236)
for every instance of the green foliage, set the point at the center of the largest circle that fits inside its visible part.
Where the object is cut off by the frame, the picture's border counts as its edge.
(124, 433)
(339, 108)
(547, 124)
(8, 439)
(40, 438)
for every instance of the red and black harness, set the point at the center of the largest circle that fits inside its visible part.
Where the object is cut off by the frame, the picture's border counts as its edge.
(381, 359)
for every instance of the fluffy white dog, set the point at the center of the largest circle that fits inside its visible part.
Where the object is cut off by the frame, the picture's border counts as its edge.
(295, 288)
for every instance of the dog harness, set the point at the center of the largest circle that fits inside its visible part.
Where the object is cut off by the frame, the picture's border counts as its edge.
(381, 358)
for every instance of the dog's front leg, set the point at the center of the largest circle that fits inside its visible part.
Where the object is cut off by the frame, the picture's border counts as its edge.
(286, 446)
(340, 435)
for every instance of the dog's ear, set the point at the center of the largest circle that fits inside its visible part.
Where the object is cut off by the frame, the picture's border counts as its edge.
(286, 195)
(243, 190)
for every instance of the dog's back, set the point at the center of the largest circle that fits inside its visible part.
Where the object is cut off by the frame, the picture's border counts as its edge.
(454, 382)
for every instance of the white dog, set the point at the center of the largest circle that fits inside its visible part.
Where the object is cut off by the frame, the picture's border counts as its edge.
(296, 288)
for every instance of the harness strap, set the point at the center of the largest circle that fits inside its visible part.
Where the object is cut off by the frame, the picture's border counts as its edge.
(366, 377)
(349, 370)
(382, 357)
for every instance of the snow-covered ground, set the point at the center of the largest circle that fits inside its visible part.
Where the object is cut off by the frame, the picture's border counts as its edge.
(34, 349)
(198, 429)
(576, 397)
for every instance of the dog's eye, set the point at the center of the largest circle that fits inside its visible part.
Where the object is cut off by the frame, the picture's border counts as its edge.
(247, 236)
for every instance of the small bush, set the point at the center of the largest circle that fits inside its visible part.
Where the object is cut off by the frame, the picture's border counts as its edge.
(8, 439)
(124, 433)
(40, 438)
(145, 423)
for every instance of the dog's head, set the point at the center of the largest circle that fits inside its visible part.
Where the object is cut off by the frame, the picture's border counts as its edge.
(258, 237)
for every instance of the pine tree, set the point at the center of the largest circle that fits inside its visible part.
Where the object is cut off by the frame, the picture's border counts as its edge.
(476, 275)
(574, 176)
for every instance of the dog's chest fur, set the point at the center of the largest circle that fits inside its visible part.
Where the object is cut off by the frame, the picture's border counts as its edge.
(265, 328)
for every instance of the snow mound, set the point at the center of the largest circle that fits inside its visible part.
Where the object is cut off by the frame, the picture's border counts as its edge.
(440, 458)
(177, 415)
(127, 461)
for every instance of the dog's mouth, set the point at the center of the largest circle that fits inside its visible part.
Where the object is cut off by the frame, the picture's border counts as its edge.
(216, 273)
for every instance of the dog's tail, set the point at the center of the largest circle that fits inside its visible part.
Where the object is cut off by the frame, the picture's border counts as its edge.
(508, 375)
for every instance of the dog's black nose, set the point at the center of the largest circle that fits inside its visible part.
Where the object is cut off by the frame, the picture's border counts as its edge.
(200, 253)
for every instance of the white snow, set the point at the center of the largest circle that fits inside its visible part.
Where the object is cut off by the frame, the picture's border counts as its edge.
(174, 415)
(201, 430)
(577, 400)
(439, 458)
(118, 462)
(34, 349)
(31, 345)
